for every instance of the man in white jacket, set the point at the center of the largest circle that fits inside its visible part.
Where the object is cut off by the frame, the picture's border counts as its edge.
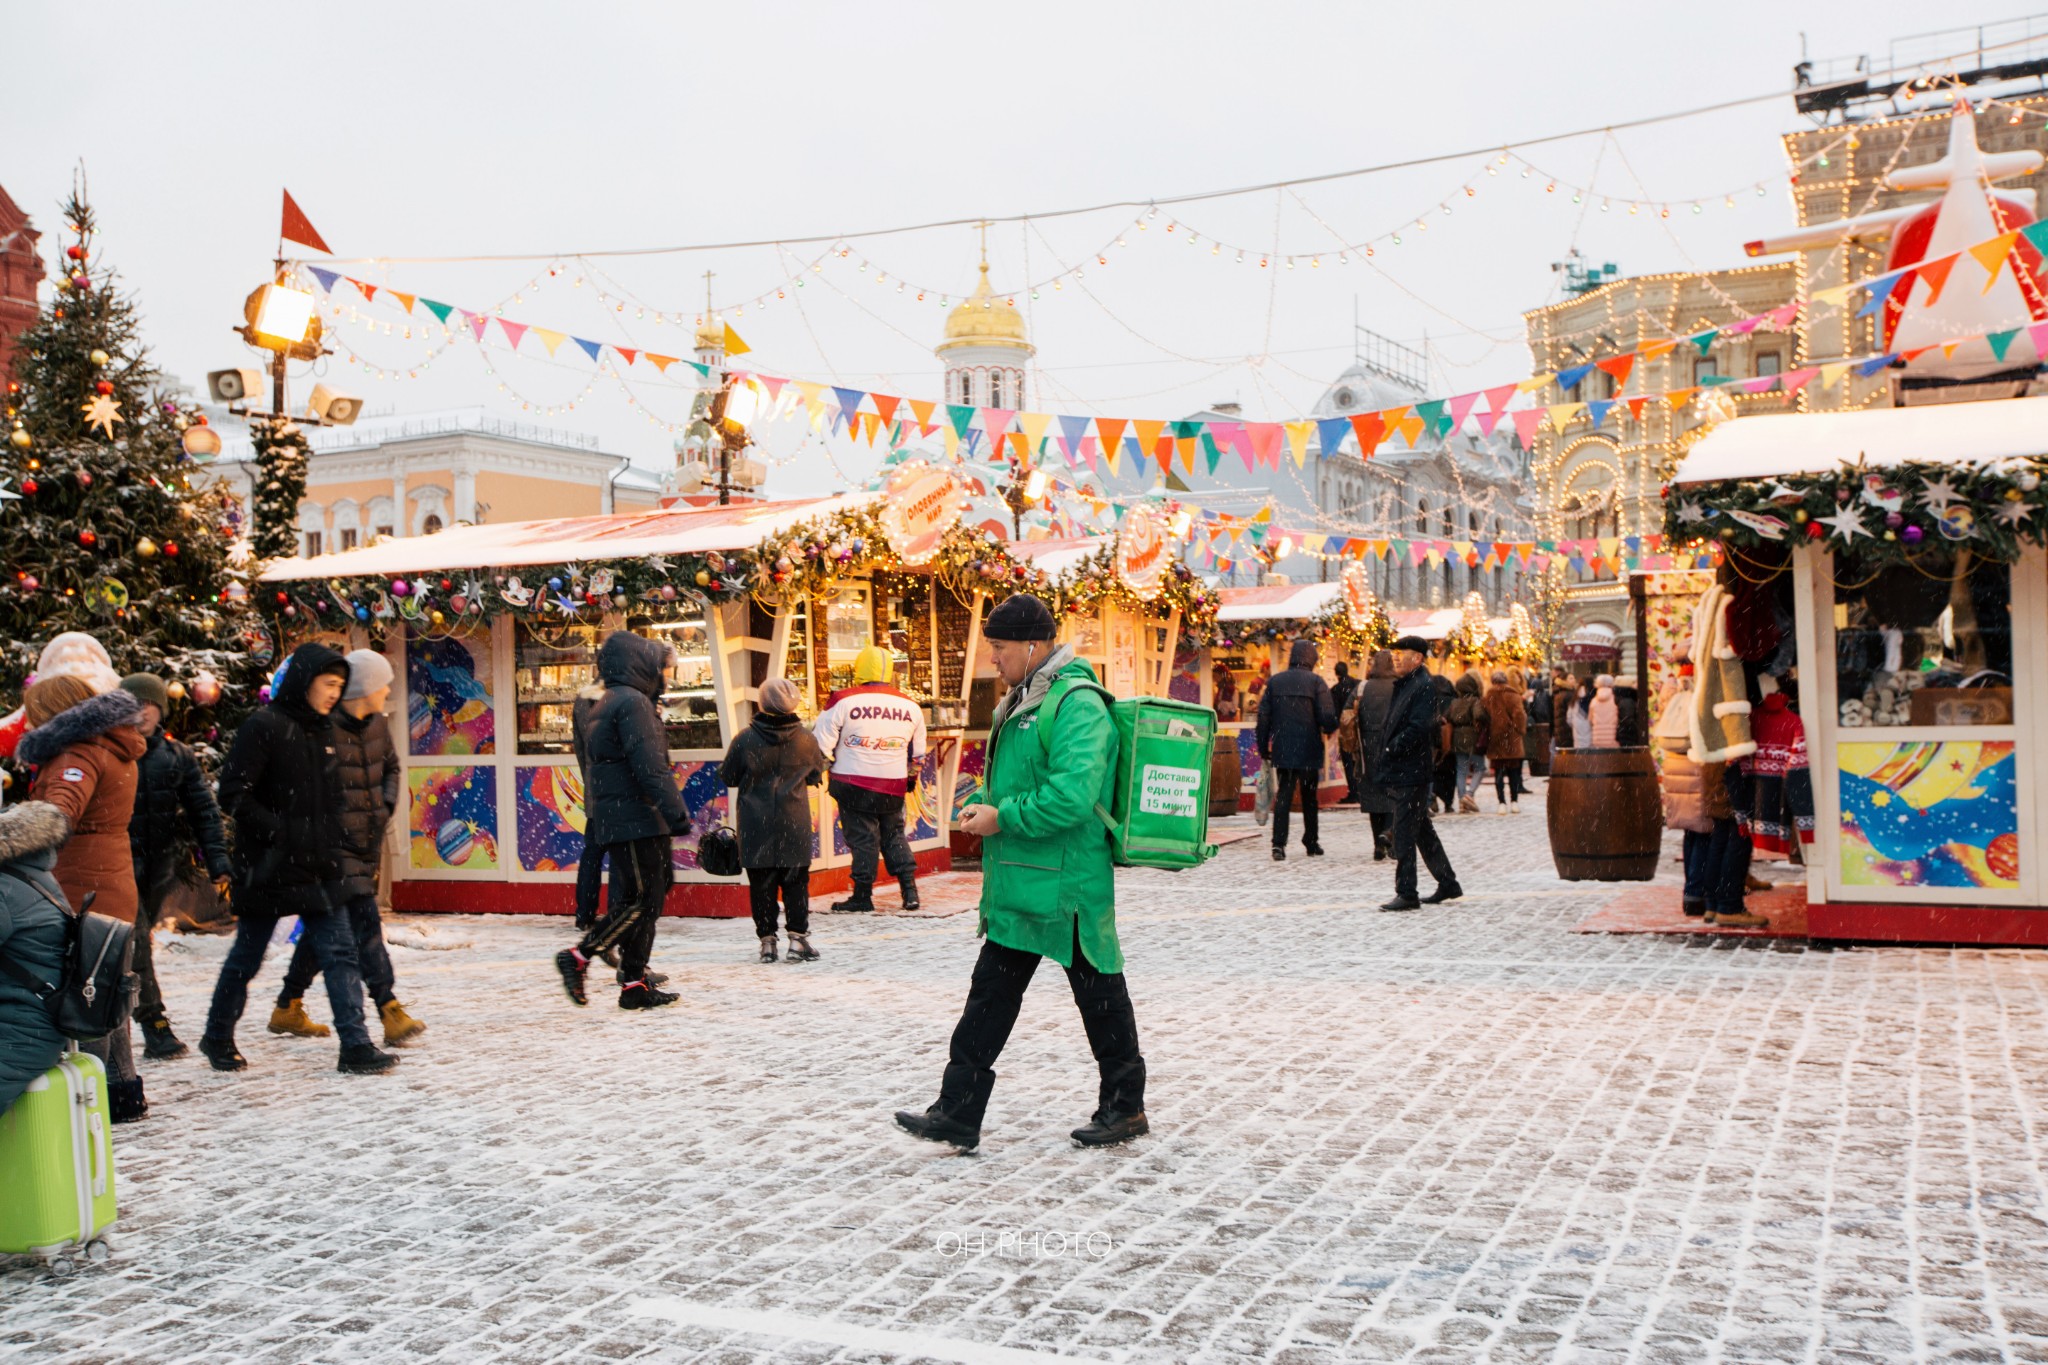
(874, 737)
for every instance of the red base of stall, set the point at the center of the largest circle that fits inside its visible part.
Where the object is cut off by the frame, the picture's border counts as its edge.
(714, 900)
(1929, 924)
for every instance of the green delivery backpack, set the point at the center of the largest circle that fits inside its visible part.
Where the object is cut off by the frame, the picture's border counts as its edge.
(1159, 811)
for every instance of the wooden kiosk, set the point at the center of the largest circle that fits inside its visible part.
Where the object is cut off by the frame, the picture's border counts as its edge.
(493, 629)
(1909, 542)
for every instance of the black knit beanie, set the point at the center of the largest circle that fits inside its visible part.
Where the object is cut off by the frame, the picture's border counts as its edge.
(1022, 617)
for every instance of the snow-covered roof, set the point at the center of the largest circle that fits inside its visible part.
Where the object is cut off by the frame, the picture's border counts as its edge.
(1055, 557)
(1817, 442)
(1276, 601)
(624, 535)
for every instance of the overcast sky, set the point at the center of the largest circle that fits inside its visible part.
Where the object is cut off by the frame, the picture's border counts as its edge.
(442, 130)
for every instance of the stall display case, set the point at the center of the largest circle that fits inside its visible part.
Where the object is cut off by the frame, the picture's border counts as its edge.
(689, 707)
(550, 665)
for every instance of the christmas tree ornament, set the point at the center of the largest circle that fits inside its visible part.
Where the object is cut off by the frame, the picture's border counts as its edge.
(21, 439)
(146, 548)
(99, 357)
(171, 548)
(175, 690)
(88, 538)
(205, 688)
(101, 414)
(85, 478)
(400, 588)
(29, 582)
(75, 252)
(29, 486)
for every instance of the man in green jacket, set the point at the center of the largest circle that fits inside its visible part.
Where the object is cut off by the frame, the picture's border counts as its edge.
(1048, 887)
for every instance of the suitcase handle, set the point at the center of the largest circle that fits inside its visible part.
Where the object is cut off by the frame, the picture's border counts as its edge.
(96, 1139)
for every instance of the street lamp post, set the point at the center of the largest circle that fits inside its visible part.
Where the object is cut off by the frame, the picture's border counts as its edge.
(737, 403)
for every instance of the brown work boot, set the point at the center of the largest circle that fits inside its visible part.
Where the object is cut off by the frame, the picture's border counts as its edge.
(398, 1025)
(291, 1018)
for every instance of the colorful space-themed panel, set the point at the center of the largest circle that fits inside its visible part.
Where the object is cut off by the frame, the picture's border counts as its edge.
(1936, 813)
(454, 820)
(1185, 684)
(921, 811)
(1248, 760)
(550, 814)
(967, 784)
(448, 688)
(705, 798)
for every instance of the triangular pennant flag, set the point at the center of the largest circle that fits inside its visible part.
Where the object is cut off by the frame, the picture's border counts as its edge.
(1935, 274)
(1561, 414)
(294, 227)
(1796, 379)
(1871, 367)
(1459, 407)
(849, 403)
(996, 423)
(1111, 430)
(1678, 398)
(478, 321)
(1370, 428)
(1705, 340)
(885, 407)
(921, 410)
(1212, 453)
(1568, 379)
(699, 367)
(1297, 441)
(325, 277)
(733, 345)
(961, 417)
(1829, 374)
(1744, 326)
(1761, 384)
(1881, 291)
(1781, 317)
(1836, 293)
(1433, 417)
(513, 331)
(2037, 235)
(366, 289)
(1992, 255)
(2038, 334)
(547, 338)
(1947, 349)
(1598, 410)
(1266, 440)
(593, 349)
(1533, 383)
(1330, 432)
(1618, 366)
(1410, 428)
(405, 299)
(1148, 435)
(662, 362)
(1635, 407)
(1651, 350)
(2000, 342)
(1526, 422)
(1033, 425)
(626, 353)
(1072, 429)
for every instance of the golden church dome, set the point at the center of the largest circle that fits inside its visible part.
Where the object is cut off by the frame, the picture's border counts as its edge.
(982, 319)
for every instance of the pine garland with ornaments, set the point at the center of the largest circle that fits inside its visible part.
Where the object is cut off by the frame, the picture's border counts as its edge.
(282, 457)
(1877, 517)
(1095, 580)
(101, 530)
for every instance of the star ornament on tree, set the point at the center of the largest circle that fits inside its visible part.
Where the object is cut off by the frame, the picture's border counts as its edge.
(1938, 493)
(1848, 524)
(102, 412)
(2013, 514)
(7, 494)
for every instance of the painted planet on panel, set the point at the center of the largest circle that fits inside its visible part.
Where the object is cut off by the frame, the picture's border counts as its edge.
(454, 843)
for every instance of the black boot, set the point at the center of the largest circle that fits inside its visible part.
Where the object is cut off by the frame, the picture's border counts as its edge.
(1445, 891)
(862, 901)
(567, 963)
(638, 995)
(365, 1059)
(933, 1126)
(159, 1042)
(1110, 1127)
(909, 886)
(125, 1103)
(223, 1053)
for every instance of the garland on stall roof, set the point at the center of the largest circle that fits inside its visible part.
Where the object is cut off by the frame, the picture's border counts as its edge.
(1333, 624)
(1096, 580)
(1878, 517)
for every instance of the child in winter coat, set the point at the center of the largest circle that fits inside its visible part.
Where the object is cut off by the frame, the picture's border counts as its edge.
(1468, 741)
(1603, 716)
(774, 762)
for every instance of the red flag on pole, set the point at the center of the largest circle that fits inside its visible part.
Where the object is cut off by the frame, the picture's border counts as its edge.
(296, 228)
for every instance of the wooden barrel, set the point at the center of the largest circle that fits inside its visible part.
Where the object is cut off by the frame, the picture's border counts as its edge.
(1606, 818)
(1226, 775)
(1536, 743)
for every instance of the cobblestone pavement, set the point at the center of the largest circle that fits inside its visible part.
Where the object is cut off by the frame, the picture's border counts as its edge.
(1461, 1134)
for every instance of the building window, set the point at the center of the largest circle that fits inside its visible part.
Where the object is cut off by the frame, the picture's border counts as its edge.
(430, 525)
(312, 543)
(1704, 367)
(348, 538)
(1769, 363)
(384, 532)
(996, 392)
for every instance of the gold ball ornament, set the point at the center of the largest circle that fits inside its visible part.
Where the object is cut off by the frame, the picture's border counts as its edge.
(175, 690)
(146, 548)
(100, 357)
(21, 439)
(438, 619)
(703, 578)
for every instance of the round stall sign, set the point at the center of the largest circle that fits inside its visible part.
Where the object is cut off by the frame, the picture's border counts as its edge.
(1358, 603)
(1142, 552)
(921, 503)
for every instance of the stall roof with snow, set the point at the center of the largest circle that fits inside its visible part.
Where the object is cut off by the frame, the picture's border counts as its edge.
(669, 531)
(1055, 557)
(1276, 601)
(1819, 442)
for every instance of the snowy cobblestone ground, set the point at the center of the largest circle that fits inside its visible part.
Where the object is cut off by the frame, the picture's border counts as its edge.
(1464, 1134)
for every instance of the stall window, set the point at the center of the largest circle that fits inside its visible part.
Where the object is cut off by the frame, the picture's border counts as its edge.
(1084, 633)
(849, 629)
(689, 707)
(551, 664)
(1926, 645)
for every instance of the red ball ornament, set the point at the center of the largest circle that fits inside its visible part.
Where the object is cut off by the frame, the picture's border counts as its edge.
(171, 548)
(1814, 530)
(103, 387)
(283, 598)
(88, 538)
(29, 486)
(85, 478)
(76, 253)
(29, 582)
(447, 585)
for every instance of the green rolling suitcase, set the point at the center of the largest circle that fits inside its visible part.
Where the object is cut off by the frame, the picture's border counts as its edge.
(57, 1165)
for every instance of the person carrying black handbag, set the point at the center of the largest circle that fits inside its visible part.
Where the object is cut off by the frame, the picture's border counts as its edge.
(774, 762)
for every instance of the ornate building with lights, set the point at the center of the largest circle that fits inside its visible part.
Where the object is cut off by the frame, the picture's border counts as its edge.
(985, 351)
(20, 272)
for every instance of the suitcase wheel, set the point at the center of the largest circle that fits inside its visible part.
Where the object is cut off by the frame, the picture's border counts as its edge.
(62, 1264)
(99, 1251)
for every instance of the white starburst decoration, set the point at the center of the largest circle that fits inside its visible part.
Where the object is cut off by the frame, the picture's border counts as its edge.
(102, 412)
(1848, 523)
(1690, 512)
(2013, 513)
(1939, 493)
(241, 552)
(7, 494)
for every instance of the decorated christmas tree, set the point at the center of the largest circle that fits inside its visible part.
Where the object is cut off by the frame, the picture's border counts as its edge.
(101, 528)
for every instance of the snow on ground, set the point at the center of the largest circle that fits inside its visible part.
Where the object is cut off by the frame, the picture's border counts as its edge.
(1462, 1134)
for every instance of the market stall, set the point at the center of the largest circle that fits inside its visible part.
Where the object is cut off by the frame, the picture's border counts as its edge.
(1909, 544)
(493, 629)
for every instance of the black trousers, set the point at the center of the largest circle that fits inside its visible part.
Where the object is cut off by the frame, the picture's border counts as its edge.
(366, 926)
(643, 870)
(874, 833)
(1289, 781)
(1382, 827)
(993, 998)
(590, 884)
(155, 882)
(1507, 779)
(1413, 831)
(794, 884)
(1350, 763)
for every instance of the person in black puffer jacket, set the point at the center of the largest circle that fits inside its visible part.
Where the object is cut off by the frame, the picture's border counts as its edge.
(773, 762)
(1296, 712)
(281, 784)
(1407, 762)
(168, 784)
(368, 763)
(632, 809)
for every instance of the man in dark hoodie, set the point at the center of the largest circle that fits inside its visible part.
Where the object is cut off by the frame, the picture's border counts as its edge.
(1295, 714)
(1407, 760)
(281, 784)
(632, 809)
(774, 762)
(168, 784)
